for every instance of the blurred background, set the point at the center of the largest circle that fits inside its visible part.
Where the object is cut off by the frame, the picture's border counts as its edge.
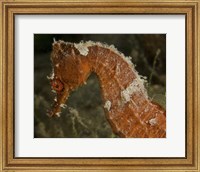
(87, 119)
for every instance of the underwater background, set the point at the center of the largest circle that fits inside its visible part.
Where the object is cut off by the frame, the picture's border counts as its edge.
(148, 52)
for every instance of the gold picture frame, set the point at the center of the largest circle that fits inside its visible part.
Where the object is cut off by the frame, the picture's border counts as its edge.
(9, 8)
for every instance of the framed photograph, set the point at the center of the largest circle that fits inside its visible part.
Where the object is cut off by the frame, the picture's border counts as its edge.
(99, 85)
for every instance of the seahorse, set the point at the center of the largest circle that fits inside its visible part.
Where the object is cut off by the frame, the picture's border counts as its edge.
(128, 109)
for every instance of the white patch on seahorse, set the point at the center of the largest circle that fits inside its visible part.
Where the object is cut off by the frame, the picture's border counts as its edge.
(107, 105)
(58, 114)
(128, 60)
(134, 87)
(53, 91)
(126, 97)
(153, 121)
(51, 77)
(63, 105)
(82, 48)
(57, 65)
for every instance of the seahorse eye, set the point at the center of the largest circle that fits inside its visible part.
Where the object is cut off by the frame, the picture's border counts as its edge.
(57, 85)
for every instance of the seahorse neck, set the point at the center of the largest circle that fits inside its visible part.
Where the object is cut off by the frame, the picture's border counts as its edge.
(115, 74)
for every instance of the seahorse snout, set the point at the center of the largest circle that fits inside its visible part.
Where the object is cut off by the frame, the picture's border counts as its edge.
(62, 93)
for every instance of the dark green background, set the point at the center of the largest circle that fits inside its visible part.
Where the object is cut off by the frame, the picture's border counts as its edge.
(89, 121)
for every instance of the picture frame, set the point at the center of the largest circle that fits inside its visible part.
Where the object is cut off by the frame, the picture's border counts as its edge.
(8, 161)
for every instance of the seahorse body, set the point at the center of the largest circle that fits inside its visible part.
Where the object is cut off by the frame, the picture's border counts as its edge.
(128, 109)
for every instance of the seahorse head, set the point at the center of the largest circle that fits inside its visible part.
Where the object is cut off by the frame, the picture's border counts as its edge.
(70, 69)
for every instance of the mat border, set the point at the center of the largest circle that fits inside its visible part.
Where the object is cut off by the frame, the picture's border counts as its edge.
(10, 8)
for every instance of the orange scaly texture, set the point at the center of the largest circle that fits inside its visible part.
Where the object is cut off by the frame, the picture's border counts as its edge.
(126, 103)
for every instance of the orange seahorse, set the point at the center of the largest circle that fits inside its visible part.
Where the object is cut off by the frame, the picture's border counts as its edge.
(128, 109)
